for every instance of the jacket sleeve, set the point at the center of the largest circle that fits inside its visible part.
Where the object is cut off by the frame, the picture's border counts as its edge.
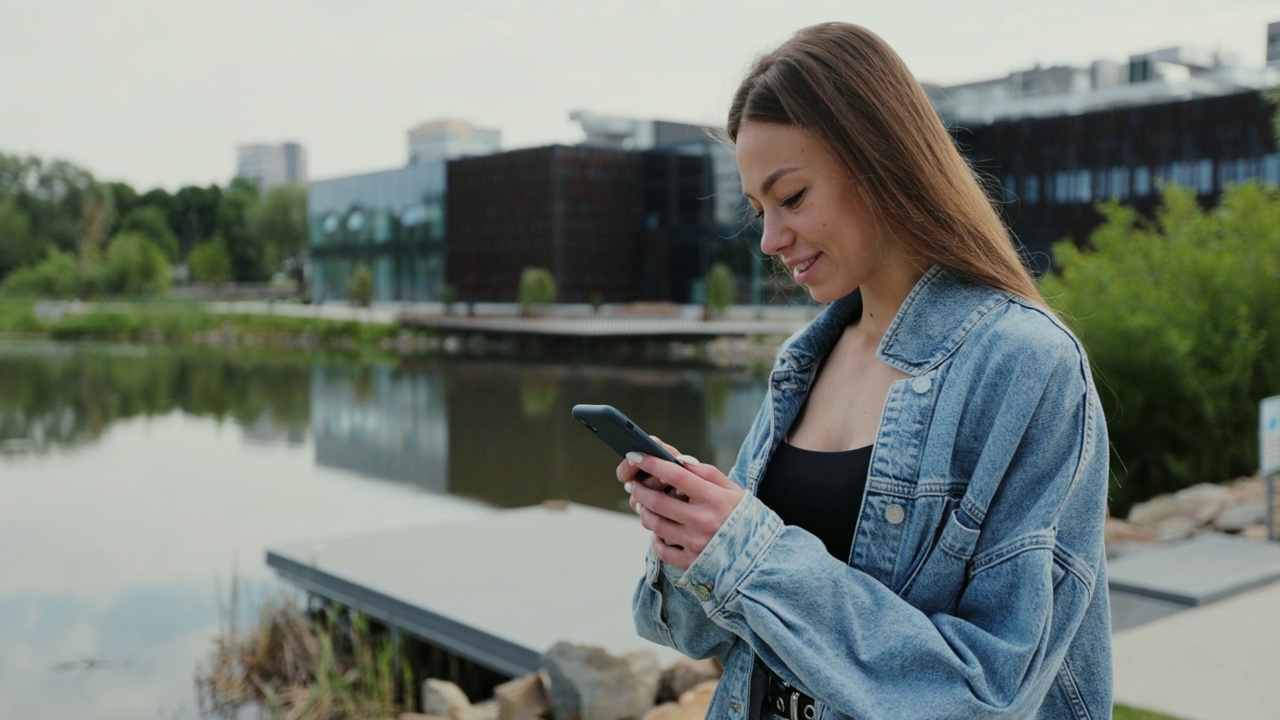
(850, 641)
(666, 610)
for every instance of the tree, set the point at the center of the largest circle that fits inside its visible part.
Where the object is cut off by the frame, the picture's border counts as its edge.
(279, 225)
(19, 244)
(54, 277)
(1179, 316)
(722, 289)
(537, 288)
(360, 286)
(233, 225)
(208, 262)
(135, 266)
(151, 223)
(195, 215)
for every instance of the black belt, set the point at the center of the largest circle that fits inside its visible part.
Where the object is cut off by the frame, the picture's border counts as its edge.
(785, 701)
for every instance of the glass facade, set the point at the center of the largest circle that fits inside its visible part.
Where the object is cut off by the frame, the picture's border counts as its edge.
(392, 222)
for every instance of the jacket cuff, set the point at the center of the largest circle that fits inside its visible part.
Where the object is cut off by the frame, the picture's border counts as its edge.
(741, 541)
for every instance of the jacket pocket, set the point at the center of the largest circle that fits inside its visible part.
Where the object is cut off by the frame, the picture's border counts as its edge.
(939, 581)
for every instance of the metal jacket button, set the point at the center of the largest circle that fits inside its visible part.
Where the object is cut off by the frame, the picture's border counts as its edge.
(895, 514)
(922, 384)
(701, 592)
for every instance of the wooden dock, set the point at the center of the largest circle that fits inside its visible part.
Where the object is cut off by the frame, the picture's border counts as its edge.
(499, 590)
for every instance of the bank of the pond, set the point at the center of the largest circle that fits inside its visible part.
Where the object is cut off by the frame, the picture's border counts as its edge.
(741, 342)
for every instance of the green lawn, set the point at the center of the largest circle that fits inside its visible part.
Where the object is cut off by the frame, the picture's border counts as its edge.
(1124, 712)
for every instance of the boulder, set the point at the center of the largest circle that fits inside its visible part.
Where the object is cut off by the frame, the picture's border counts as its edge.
(683, 674)
(587, 683)
(1238, 517)
(1121, 531)
(1203, 503)
(693, 704)
(1149, 513)
(443, 698)
(1177, 527)
(522, 698)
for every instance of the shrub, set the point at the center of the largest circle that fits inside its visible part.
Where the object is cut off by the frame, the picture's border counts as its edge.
(537, 288)
(1179, 316)
(150, 222)
(135, 266)
(360, 286)
(54, 277)
(722, 289)
(209, 262)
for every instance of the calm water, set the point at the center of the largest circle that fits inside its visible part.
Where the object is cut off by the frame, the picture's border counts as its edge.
(134, 482)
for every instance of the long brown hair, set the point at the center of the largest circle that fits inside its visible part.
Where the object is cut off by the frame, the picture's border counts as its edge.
(846, 85)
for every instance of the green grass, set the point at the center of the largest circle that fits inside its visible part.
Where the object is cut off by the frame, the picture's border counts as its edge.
(1124, 712)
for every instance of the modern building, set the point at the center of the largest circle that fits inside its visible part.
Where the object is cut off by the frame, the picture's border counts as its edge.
(1056, 142)
(271, 165)
(390, 221)
(1273, 45)
(441, 140)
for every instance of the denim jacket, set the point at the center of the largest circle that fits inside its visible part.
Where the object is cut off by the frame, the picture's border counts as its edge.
(976, 585)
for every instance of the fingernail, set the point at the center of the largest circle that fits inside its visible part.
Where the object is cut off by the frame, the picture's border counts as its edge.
(688, 459)
(639, 508)
(635, 458)
(627, 486)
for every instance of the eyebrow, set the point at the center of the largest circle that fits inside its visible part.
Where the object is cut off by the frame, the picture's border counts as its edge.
(773, 178)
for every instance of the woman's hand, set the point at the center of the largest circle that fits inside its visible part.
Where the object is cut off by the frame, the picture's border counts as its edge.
(684, 506)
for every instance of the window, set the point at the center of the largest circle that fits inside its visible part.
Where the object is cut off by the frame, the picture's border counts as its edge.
(1204, 177)
(1084, 186)
(1271, 169)
(1141, 181)
(1032, 192)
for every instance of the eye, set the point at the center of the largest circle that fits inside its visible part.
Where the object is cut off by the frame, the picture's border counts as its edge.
(793, 200)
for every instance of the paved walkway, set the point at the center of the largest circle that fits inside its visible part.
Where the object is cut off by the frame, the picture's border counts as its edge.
(1218, 661)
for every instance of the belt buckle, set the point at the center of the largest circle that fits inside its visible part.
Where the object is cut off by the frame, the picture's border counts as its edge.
(795, 708)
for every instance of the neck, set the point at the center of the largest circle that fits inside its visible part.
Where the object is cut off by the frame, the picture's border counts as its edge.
(883, 295)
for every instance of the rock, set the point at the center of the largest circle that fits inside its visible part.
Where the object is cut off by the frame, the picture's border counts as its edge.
(522, 698)
(1177, 527)
(487, 710)
(693, 705)
(1203, 502)
(1151, 512)
(587, 683)
(443, 698)
(1238, 517)
(683, 674)
(1257, 531)
(419, 716)
(1121, 531)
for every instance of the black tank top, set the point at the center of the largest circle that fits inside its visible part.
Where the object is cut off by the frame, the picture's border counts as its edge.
(820, 492)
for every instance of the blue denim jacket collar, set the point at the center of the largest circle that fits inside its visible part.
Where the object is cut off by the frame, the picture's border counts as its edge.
(935, 317)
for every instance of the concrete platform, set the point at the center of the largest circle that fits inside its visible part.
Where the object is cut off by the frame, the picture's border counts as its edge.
(1216, 662)
(498, 590)
(1194, 572)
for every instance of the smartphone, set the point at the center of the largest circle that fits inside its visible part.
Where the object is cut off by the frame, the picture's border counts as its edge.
(618, 431)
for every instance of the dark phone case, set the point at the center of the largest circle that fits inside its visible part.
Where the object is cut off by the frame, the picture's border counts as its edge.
(618, 432)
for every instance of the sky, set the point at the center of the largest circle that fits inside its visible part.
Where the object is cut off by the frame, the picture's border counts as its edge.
(158, 93)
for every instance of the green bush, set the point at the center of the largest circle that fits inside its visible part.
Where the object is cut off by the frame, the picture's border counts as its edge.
(537, 288)
(209, 262)
(722, 289)
(360, 286)
(150, 222)
(55, 277)
(135, 266)
(1181, 318)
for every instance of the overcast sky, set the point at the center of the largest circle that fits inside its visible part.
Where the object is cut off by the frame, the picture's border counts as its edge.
(160, 92)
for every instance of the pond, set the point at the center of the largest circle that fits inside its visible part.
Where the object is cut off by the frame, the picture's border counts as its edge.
(137, 482)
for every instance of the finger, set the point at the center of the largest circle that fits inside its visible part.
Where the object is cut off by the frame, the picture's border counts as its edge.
(671, 555)
(666, 446)
(669, 532)
(628, 473)
(691, 480)
(657, 501)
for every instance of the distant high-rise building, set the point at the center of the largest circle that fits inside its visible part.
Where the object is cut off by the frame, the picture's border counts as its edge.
(1273, 45)
(450, 139)
(271, 165)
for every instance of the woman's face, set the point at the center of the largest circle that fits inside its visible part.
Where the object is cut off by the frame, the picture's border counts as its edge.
(814, 220)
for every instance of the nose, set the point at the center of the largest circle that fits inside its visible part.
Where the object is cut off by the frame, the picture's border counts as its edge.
(774, 235)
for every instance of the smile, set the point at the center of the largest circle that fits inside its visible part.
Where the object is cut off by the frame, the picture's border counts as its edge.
(798, 270)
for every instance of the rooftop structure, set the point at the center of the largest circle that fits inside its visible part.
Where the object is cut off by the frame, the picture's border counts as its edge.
(449, 139)
(1164, 75)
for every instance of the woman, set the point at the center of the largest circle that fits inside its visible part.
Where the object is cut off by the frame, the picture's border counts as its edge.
(913, 527)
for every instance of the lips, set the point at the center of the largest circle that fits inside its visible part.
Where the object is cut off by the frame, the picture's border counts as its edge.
(799, 269)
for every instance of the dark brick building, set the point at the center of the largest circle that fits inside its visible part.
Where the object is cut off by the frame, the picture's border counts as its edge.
(1052, 171)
